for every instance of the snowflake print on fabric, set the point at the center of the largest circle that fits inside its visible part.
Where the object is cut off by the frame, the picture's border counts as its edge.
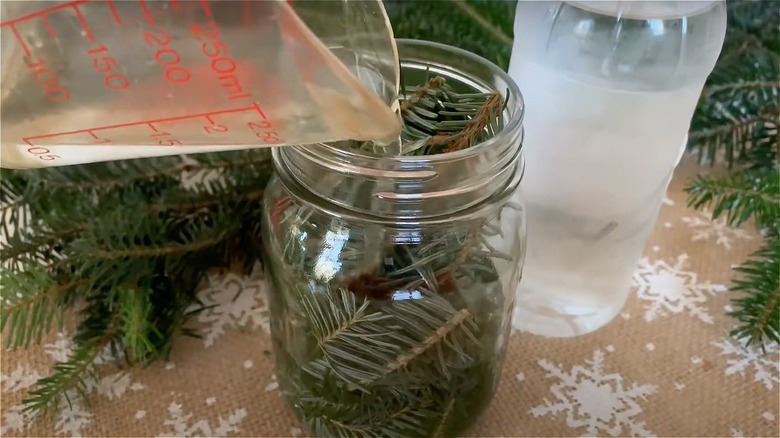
(15, 419)
(72, 416)
(666, 289)
(272, 386)
(180, 424)
(594, 400)
(736, 433)
(741, 359)
(705, 228)
(20, 379)
(233, 301)
(70, 420)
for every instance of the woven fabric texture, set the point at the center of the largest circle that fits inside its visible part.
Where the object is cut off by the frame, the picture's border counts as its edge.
(665, 367)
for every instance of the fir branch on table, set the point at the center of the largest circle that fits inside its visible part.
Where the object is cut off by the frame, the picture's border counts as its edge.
(126, 244)
(737, 122)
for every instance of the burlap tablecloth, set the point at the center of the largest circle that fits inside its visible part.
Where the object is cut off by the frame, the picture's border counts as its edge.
(665, 367)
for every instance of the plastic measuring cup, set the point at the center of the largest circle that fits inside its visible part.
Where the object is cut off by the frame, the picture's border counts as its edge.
(86, 81)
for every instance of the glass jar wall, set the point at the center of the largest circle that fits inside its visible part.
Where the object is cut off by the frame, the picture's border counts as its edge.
(394, 277)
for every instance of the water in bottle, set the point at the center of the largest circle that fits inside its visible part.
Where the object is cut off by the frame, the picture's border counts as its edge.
(610, 89)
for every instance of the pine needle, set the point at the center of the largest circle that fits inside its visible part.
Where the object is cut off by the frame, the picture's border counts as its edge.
(389, 339)
(739, 196)
(757, 309)
(31, 303)
(130, 240)
(737, 122)
(66, 376)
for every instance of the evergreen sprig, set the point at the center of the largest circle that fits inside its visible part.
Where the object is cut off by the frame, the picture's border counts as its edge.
(126, 244)
(45, 211)
(393, 339)
(736, 122)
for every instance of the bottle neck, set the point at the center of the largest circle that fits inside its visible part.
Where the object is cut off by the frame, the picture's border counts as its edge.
(647, 9)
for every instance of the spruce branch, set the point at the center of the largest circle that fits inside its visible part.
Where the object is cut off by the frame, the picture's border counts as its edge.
(74, 375)
(31, 303)
(137, 322)
(437, 119)
(738, 116)
(31, 243)
(67, 376)
(758, 307)
(132, 240)
(739, 196)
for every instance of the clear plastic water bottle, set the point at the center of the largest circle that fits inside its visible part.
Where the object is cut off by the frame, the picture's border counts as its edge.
(610, 88)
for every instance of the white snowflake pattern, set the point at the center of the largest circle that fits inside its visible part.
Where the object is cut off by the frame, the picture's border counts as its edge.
(233, 301)
(72, 416)
(61, 348)
(668, 201)
(595, 400)
(20, 379)
(705, 228)
(668, 288)
(273, 385)
(179, 421)
(15, 419)
(765, 365)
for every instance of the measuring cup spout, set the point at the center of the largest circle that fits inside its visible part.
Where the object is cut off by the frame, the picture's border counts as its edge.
(154, 78)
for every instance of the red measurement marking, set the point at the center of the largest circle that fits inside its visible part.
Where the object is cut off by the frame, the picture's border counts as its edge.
(114, 11)
(206, 9)
(49, 81)
(246, 12)
(92, 134)
(151, 126)
(222, 63)
(262, 130)
(21, 41)
(260, 111)
(47, 23)
(144, 122)
(147, 12)
(42, 12)
(175, 4)
(84, 26)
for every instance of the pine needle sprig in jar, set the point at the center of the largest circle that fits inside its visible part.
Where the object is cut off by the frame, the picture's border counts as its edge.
(393, 284)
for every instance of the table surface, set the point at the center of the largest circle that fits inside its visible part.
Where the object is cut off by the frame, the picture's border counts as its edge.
(665, 367)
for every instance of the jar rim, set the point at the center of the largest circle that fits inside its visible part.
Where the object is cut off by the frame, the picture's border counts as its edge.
(513, 123)
(426, 186)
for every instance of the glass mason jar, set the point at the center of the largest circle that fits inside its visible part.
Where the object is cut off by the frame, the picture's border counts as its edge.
(394, 277)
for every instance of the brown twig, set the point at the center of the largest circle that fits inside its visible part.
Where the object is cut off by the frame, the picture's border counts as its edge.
(481, 120)
(432, 84)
